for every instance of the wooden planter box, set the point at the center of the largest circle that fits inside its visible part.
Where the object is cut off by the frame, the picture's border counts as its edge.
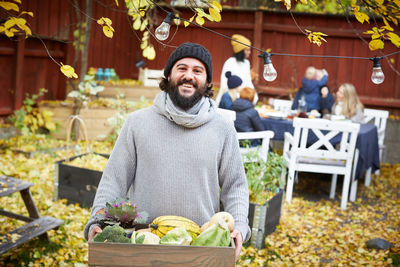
(263, 219)
(116, 254)
(131, 92)
(95, 119)
(77, 185)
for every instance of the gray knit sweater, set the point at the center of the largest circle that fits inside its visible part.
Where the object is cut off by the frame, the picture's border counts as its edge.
(175, 163)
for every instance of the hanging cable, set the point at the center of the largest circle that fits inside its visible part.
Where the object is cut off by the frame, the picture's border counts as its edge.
(270, 73)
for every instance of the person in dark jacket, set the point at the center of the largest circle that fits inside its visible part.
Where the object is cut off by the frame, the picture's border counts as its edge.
(234, 83)
(312, 82)
(327, 101)
(247, 118)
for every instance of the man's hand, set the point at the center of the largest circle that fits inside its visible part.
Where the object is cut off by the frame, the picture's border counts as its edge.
(237, 236)
(96, 229)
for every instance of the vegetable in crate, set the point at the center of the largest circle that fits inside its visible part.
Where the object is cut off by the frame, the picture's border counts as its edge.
(120, 212)
(226, 217)
(163, 224)
(217, 235)
(112, 234)
(144, 238)
(177, 236)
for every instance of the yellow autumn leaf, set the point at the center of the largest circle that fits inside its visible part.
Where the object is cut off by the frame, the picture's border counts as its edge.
(107, 21)
(9, 33)
(177, 21)
(376, 44)
(149, 52)
(20, 22)
(9, 6)
(199, 20)
(217, 5)
(144, 44)
(18, 1)
(397, 2)
(361, 17)
(144, 24)
(387, 26)
(137, 23)
(108, 31)
(288, 4)
(9, 23)
(26, 12)
(100, 21)
(215, 14)
(68, 71)
(376, 36)
(394, 38)
(26, 29)
(185, 23)
(116, 2)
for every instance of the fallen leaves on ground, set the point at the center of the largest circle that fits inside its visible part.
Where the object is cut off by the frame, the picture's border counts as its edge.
(313, 229)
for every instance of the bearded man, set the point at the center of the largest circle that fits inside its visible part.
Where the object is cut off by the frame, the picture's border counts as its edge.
(179, 157)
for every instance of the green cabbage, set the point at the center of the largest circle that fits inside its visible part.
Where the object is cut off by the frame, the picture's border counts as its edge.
(217, 235)
(177, 236)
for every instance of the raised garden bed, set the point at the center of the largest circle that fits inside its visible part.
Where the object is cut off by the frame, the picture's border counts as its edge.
(263, 219)
(76, 184)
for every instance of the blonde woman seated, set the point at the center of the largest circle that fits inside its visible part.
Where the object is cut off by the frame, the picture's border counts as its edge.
(348, 104)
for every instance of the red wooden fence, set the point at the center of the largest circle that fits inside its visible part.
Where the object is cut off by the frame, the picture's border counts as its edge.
(25, 66)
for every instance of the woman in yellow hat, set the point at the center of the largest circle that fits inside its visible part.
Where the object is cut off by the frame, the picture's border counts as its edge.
(238, 65)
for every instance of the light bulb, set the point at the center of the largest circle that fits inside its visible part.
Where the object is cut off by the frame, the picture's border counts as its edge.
(377, 76)
(270, 73)
(162, 31)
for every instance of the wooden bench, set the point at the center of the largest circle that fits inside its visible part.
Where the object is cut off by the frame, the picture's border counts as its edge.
(36, 226)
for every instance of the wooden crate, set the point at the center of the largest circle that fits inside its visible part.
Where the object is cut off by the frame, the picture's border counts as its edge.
(133, 93)
(117, 254)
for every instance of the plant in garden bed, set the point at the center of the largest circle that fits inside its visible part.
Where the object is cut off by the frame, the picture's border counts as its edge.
(123, 109)
(30, 119)
(263, 177)
(120, 212)
(87, 88)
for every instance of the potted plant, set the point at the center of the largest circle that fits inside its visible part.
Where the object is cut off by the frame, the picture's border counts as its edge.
(265, 194)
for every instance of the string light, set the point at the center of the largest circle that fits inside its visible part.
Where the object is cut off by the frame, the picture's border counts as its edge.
(377, 76)
(269, 73)
(162, 31)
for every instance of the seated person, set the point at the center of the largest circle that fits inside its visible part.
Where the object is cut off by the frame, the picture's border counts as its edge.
(247, 118)
(348, 104)
(234, 83)
(311, 88)
(327, 101)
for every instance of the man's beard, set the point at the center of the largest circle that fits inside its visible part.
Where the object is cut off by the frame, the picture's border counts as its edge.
(183, 102)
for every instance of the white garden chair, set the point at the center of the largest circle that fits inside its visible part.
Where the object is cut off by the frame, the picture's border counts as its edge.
(379, 117)
(320, 156)
(266, 136)
(282, 105)
(228, 114)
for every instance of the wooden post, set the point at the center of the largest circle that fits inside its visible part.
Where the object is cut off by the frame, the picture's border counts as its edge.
(257, 35)
(19, 73)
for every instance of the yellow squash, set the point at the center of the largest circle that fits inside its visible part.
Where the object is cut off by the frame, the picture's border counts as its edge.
(163, 224)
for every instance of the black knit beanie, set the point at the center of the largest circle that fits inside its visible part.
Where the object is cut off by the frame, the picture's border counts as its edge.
(233, 80)
(190, 50)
